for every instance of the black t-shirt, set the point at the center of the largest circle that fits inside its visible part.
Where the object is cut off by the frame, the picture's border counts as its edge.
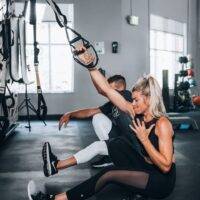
(122, 120)
(108, 108)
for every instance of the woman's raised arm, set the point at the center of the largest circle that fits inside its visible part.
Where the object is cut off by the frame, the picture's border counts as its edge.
(100, 81)
(115, 97)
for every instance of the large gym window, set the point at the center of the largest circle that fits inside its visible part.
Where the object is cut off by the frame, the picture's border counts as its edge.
(167, 44)
(56, 65)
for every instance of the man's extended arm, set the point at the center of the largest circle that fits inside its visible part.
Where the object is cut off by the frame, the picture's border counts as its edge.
(78, 114)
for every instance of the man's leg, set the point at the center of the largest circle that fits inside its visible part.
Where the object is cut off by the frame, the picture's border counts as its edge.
(102, 126)
(52, 164)
(96, 148)
(104, 129)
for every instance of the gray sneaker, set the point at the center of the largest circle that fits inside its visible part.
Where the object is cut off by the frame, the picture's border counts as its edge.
(35, 194)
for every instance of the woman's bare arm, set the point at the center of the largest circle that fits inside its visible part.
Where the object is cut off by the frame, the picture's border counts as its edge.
(163, 157)
(114, 96)
(100, 81)
(98, 88)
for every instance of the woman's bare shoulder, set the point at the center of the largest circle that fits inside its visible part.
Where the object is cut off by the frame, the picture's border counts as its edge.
(163, 124)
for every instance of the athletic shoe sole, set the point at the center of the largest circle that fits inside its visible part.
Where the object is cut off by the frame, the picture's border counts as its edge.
(102, 165)
(32, 189)
(46, 158)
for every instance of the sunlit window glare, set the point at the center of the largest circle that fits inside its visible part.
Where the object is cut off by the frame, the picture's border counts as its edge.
(167, 44)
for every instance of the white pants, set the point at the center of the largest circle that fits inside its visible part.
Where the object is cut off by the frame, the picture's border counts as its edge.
(94, 149)
(102, 126)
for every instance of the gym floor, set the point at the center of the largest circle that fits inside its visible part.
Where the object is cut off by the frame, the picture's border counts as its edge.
(20, 161)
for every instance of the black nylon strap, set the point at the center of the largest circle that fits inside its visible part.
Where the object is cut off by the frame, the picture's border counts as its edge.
(25, 8)
(62, 21)
(58, 14)
(6, 38)
(41, 107)
(33, 12)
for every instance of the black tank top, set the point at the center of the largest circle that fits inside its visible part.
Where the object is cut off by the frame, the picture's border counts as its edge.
(152, 136)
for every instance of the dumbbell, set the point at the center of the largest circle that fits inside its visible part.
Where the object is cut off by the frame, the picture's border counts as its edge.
(184, 85)
(196, 100)
(192, 82)
(183, 59)
(190, 72)
(183, 73)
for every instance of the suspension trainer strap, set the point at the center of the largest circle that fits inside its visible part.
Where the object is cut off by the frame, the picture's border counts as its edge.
(6, 39)
(33, 12)
(22, 46)
(15, 46)
(4, 122)
(77, 38)
(42, 107)
(3, 68)
(14, 63)
(22, 49)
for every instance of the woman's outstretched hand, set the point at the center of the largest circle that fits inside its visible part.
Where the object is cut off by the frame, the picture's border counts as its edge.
(140, 130)
(84, 56)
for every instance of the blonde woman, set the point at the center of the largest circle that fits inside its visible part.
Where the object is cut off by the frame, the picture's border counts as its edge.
(150, 172)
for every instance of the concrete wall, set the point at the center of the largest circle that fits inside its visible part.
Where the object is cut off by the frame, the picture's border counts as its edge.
(104, 20)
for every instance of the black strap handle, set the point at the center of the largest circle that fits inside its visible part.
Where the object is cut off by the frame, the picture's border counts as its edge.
(42, 107)
(62, 21)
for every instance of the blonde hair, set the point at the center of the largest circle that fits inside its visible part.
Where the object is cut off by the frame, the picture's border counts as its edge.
(149, 87)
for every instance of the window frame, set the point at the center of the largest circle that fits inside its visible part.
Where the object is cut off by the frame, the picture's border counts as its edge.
(50, 45)
(174, 52)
